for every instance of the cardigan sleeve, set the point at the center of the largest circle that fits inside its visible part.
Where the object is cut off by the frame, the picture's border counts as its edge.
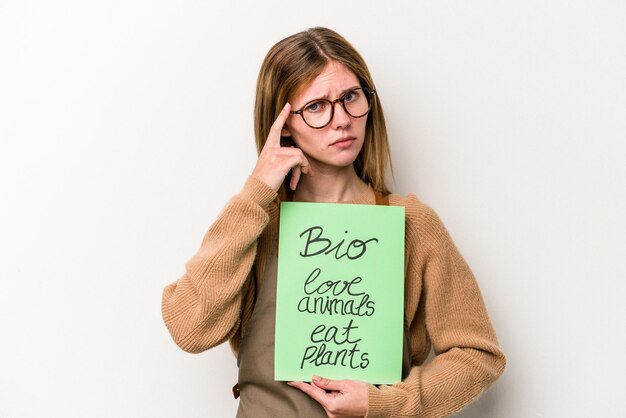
(451, 310)
(202, 308)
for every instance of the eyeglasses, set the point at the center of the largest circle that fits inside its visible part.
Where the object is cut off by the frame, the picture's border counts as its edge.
(319, 112)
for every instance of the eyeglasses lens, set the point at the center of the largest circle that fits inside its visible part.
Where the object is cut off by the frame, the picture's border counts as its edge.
(319, 113)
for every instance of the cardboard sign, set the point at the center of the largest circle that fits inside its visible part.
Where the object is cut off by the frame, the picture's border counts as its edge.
(340, 292)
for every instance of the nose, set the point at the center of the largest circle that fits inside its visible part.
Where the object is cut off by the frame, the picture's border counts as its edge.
(341, 118)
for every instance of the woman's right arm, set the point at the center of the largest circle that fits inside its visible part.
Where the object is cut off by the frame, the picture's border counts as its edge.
(202, 308)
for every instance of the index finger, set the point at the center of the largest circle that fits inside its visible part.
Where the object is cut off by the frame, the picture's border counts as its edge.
(327, 384)
(273, 138)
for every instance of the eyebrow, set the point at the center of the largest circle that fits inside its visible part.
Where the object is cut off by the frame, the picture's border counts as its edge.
(343, 92)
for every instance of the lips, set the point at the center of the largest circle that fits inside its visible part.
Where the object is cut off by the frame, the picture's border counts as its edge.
(343, 142)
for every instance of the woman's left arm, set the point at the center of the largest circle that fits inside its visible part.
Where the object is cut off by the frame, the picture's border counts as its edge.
(444, 306)
(450, 312)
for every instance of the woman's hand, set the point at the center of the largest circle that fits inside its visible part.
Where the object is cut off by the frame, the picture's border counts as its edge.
(275, 161)
(344, 399)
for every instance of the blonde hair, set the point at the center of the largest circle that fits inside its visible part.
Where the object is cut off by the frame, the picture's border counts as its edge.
(296, 61)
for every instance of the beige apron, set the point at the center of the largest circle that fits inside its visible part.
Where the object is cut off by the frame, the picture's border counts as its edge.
(261, 395)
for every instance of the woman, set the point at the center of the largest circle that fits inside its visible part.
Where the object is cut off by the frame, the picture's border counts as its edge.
(321, 137)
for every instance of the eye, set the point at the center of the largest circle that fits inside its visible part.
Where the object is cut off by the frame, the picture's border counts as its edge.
(351, 96)
(315, 107)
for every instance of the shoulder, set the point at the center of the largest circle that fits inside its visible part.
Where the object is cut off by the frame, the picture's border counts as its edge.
(418, 213)
(422, 221)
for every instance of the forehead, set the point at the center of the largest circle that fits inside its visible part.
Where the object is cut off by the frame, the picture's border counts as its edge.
(334, 79)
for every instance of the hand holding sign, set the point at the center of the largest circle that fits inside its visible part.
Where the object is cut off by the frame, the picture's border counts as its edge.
(339, 398)
(275, 161)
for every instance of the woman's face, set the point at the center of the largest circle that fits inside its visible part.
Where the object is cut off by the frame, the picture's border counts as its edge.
(338, 144)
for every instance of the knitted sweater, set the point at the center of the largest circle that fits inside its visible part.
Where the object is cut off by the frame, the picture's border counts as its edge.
(213, 301)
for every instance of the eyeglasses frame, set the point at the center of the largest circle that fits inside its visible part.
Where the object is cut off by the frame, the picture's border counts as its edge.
(342, 99)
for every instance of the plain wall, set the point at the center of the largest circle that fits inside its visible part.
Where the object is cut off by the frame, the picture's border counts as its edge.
(125, 127)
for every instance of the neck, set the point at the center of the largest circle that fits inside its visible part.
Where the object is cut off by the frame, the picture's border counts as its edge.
(330, 186)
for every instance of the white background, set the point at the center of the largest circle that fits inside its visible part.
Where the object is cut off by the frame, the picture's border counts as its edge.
(127, 125)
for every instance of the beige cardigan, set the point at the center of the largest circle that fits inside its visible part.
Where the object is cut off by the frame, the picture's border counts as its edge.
(212, 302)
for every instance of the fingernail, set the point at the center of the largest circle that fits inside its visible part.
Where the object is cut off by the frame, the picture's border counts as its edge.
(316, 378)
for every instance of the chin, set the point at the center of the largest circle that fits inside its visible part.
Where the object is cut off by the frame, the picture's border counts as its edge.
(346, 158)
(340, 163)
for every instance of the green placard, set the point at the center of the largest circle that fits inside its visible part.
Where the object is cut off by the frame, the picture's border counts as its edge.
(340, 295)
